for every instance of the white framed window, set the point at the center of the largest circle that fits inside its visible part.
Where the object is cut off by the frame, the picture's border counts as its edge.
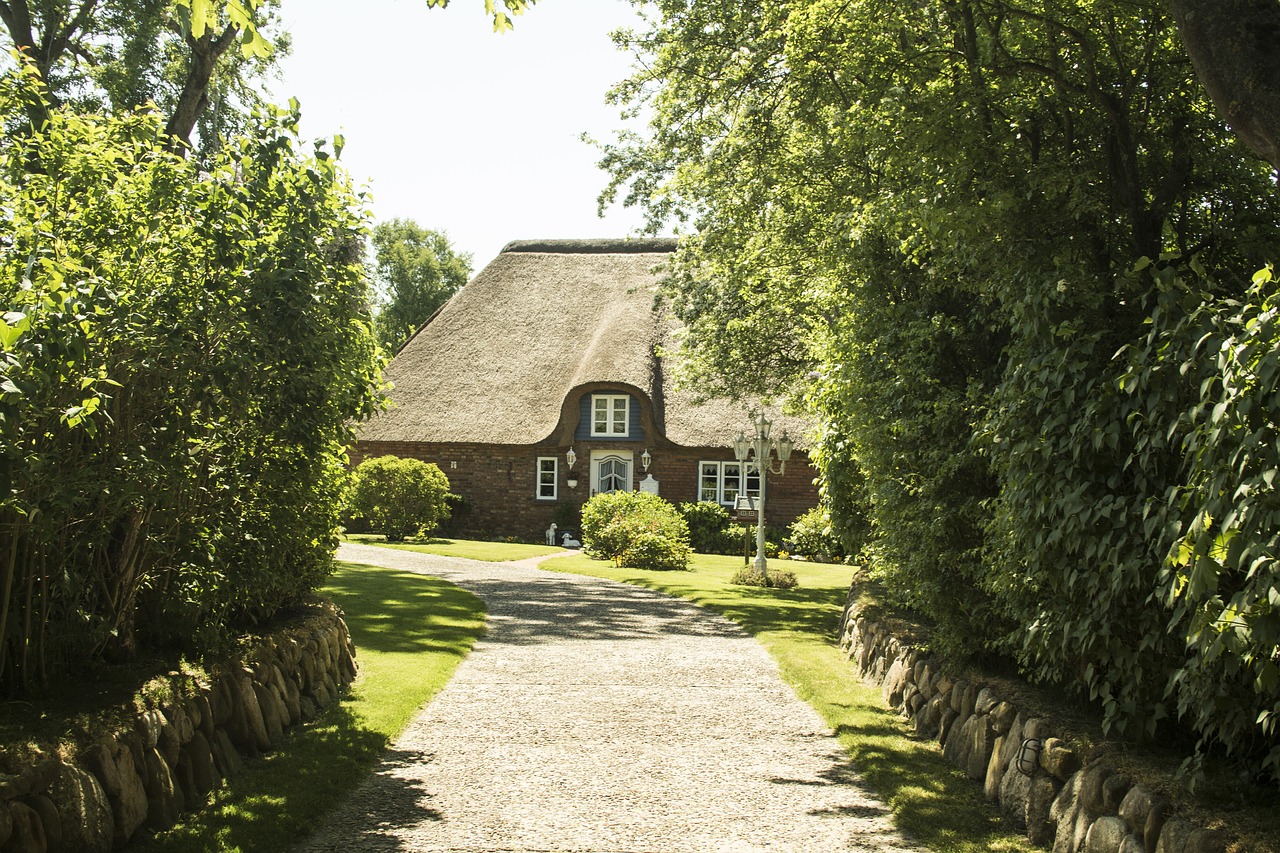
(548, 477)
(610, 415)
(722, 482)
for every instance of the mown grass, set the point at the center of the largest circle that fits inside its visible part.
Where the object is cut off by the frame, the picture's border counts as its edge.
(489, 552)
(932, 801)
(410, 632)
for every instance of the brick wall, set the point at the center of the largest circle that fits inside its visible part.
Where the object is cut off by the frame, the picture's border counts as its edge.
(499, 482)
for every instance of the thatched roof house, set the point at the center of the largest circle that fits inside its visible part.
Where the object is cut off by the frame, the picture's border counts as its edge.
(552, 346)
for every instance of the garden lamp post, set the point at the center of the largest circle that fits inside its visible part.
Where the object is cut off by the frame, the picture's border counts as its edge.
(762, 446)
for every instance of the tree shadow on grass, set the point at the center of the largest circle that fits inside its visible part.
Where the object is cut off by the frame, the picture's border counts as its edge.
(278, 799)
(403, 612)
(282, 798)
(932, 800)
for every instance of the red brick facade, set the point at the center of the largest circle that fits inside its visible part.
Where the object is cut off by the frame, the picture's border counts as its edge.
(499, 482)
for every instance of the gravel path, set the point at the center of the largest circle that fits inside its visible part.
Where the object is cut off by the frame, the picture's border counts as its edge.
(596, 716)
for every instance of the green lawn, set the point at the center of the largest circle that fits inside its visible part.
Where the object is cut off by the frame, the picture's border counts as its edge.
(932, 801)
(490, 552)
(410, 632)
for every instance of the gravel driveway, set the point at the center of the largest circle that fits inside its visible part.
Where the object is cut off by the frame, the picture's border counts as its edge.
(596, 716)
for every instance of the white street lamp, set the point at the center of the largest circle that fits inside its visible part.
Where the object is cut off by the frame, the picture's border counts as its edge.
(762, 447)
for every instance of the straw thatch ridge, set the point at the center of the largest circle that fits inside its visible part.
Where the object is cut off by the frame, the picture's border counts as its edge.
(603, 246)
(541, 324)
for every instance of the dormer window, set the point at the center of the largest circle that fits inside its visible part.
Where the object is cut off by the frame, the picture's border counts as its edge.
(610, 415)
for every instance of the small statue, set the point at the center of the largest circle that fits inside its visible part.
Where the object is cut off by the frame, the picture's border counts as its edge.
(569, 542)
(551, 534)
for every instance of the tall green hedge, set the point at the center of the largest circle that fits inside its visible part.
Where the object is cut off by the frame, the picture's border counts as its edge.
(183, 350)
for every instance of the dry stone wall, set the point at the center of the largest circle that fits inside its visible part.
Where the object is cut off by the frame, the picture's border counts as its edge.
(166, 759)
(1062, 802)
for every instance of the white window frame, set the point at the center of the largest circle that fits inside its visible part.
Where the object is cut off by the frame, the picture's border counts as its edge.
(727, 496)
(547, 466)
(614, 427)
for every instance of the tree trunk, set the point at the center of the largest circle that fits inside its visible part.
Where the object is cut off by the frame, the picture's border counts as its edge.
(205, 53)
(1233, 45)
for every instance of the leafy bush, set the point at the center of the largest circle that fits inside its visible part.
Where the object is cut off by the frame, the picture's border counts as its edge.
(567, 516)
(636, 529)
(399, 497)
(712, 532)
(707, 522)
(183, 354)
(735, 539)
(812, 536)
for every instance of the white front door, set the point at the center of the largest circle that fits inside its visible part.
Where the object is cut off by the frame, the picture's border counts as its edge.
(610, 472)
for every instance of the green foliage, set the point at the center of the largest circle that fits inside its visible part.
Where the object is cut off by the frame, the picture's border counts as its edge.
(707, 522)
(182, 356)
(1214, 362)
(501, 20)
(567, 516)
(415, 271)
(711, 532)
(811, 535)
(709, 529)
(399, 497)
(134, 54)
(921, 217)
(635, 529)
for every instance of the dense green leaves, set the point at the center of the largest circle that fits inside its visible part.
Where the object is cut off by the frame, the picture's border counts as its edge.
(1220, 582)
(924, 219)
(399, 497)
(135, 54)
(636, 529)
(184, 353)
(415, 271)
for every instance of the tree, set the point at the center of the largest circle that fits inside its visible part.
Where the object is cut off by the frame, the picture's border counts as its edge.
(929, 220)
(1233, 46)
(415, 271)
(399, 497)
(184, 351)
(100, 53)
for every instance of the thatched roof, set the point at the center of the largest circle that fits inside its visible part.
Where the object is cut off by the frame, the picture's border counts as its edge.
(499, 362)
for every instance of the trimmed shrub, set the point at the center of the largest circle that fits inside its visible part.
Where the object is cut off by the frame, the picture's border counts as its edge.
(399, 497)
(635, 529)
(776, 579)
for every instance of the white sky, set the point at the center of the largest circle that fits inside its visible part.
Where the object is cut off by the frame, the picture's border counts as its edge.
(459, 128)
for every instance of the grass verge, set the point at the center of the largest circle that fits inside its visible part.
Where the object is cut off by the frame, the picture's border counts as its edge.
(931, 800)
(410, 633)
(489, 552)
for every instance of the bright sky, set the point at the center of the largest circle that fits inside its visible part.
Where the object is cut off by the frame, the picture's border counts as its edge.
(459, 128)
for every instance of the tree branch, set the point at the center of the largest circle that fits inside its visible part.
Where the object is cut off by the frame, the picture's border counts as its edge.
(17, 19)
(59, 44)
